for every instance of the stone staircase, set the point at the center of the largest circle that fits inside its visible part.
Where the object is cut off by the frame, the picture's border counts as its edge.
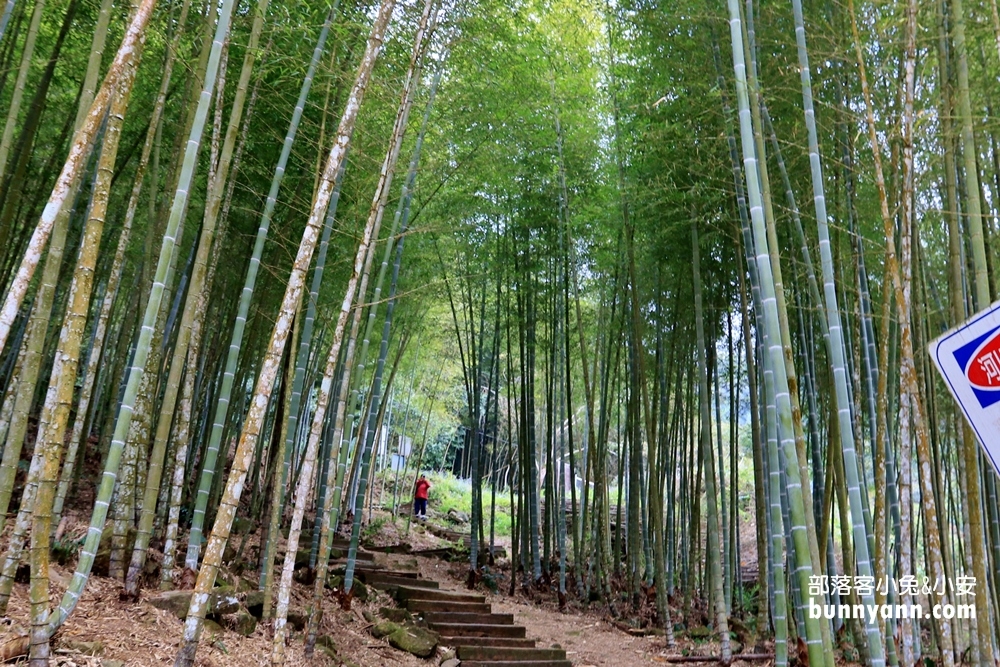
(367, 569)
(463, 620)
(466, 621)
(462, 538)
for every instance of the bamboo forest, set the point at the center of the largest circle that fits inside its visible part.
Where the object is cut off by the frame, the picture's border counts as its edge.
(499, 333)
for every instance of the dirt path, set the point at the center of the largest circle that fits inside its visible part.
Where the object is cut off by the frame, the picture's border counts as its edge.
(135, 634)
(588, 640)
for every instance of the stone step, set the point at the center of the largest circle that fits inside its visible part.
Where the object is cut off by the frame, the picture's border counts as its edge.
(517, 663)
(386, 581)
(517, 654)
(339, 566)
(498, 552)
(414, 593)
(443, 552)
(341, 554)
(488, 641)
(477, 630)
(401, 548)
(450, 616)
(446, 606)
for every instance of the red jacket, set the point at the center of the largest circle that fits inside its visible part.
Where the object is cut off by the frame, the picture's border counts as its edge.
(422, 486)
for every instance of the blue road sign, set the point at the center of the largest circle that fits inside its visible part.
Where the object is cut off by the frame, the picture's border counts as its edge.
(968, 358)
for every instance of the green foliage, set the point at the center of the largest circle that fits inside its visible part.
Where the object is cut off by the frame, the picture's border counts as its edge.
(64, 550)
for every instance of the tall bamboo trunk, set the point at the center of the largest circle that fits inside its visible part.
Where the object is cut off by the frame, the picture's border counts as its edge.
(279, 336)
(72, 168)
(981, 291)
(55, 412)
(713, 548)
(775, 350)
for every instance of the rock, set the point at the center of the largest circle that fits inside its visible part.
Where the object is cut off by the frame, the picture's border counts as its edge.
(176, 602)
(418, 641)
(360, 591)
(700, 632)
(222, 601)
(384, 629)
(370, 617)
(255, 603)
(451, 662)
(447, 654)
(86, 648)
(298, 620)
(302, 557)
(211, 629)
(243, 622)
(458, 517)
(396, 615)
(112, 663)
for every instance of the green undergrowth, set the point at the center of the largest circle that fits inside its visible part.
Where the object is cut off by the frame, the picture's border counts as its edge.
(450, 493)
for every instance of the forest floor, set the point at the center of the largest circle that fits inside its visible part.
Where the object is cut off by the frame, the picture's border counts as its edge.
(135, 634)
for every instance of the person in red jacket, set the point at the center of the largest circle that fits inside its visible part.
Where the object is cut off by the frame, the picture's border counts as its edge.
(420, 498)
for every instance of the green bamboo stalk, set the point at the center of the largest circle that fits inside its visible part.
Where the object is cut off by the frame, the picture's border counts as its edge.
(757, 111)
(8, 9)
(142, 350)
(836, 345)
(55, 411)
(981, 291)
(296, 426)
(279, 336)
(341, 452)
(133, 468)
(290, 438)
(236, 339)
(713, 547)
(195, 306)
(775, 349)
(78, 154)
(41, 312)
(352, 551)
(14, 110)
